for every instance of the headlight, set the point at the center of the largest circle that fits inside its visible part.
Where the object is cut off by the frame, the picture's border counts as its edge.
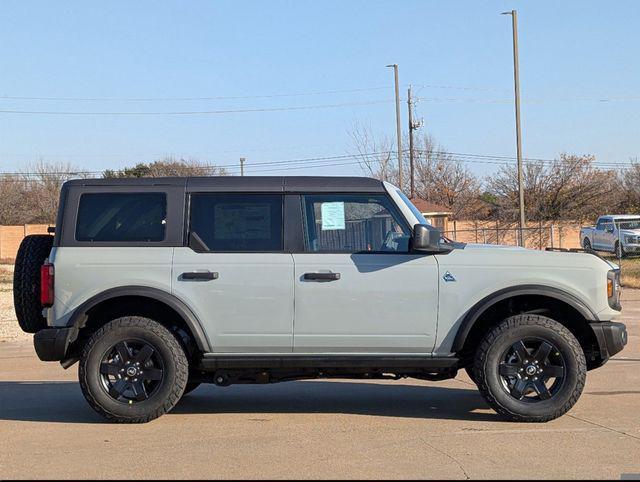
(613, 289)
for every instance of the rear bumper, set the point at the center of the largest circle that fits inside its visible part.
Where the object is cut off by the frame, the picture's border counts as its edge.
(612, 338)
(51, 344)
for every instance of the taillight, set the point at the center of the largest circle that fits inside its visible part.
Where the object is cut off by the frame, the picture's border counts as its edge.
(46, 285)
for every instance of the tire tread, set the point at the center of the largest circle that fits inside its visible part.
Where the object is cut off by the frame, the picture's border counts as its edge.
(182, 367)
(508, 325)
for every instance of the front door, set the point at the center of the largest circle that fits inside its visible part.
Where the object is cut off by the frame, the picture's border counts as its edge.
(357, 287)
(235, 275)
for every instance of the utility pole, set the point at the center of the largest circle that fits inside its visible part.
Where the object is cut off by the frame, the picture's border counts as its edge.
(516, 81)
(398, 126)
(242, 159)
(412, 127)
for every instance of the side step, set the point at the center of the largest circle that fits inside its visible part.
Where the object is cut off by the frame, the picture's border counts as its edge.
(213, 362)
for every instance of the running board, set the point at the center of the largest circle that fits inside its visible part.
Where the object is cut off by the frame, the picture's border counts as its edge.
(213, 362)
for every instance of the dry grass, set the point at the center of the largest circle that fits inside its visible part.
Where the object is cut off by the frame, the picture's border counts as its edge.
(631, 272)
(630, 269)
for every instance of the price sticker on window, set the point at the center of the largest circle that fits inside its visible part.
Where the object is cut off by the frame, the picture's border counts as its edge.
(332, 216)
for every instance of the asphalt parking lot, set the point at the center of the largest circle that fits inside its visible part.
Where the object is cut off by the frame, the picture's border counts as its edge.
(319, 429)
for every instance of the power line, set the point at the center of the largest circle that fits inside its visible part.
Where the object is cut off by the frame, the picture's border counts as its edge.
(325, 161)
(187, 99)
(201, 112)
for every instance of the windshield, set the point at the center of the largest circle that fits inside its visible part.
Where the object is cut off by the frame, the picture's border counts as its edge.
(628, 223)
(416, 212)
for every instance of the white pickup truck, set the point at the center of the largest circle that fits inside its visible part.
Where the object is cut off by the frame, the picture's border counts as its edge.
(619, 234)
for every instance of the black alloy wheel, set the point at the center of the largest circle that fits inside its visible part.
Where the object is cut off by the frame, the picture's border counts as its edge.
(131, 371)
(532, 370)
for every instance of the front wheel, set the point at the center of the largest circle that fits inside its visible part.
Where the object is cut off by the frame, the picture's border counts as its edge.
(133, 370)
(619, 250)
(530, 368)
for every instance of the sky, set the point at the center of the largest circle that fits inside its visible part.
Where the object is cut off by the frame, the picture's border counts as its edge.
(305, 73)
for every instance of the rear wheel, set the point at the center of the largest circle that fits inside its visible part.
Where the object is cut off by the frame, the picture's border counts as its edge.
(586, 244)
(133, 370)
(33, 252)
(530, 368)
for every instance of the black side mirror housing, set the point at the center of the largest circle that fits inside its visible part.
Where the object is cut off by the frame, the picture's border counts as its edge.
(427, 239)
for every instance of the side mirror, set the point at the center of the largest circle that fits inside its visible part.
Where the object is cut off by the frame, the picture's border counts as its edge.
(427, 239)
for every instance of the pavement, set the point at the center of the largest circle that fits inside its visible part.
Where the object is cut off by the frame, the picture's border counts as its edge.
(319, 429)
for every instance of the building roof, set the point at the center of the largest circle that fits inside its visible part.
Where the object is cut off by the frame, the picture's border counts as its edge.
(428, 207)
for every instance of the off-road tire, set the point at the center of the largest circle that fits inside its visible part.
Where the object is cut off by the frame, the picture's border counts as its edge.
(32, 254)
(176, 370)
(498, 340)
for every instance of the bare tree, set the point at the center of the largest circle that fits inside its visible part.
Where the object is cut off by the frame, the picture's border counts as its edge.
(168, 167)
(374, 153)
(443, 179)
(439, 176)
(629, 183)
(32, 196)
(568, 188)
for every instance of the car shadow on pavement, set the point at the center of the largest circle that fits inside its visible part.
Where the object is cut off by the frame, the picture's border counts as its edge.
(62, 402)
(45, 402)
(330, 397)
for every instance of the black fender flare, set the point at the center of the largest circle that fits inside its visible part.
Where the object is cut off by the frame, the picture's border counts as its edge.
(79, 316)
(487, 302)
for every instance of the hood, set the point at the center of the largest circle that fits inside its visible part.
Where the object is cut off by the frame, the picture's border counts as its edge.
(496, 246)
(630, 232)
(517, 254)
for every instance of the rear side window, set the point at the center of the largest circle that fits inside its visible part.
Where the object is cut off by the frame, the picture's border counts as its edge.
(122, 217)
(236, 222)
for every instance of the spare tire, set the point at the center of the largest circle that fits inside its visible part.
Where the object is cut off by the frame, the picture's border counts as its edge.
(32, 253)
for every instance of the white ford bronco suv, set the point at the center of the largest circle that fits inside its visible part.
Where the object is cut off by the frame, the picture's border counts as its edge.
(157, 285)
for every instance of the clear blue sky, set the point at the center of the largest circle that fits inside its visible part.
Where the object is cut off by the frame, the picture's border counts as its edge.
(572, 54)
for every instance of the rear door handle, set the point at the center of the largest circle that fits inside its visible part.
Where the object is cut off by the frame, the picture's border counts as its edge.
(321, 276)
(199, 275)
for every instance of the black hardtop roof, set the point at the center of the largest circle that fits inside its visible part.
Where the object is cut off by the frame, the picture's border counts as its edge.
(243, 183)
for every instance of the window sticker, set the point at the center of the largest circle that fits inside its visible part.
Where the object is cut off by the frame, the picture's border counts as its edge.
(332, 216)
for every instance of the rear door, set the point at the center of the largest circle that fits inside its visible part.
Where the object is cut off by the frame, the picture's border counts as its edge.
(357, 287)
(235, 274)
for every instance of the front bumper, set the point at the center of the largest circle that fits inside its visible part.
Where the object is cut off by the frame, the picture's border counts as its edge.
(612, 338)
(52, 344)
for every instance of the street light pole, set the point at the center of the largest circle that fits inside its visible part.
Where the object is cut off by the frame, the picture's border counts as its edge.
(398, 126)
(516, 81)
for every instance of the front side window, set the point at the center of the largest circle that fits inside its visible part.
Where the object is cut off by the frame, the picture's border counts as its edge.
(121, 217)
(237, 222)
(352, 223)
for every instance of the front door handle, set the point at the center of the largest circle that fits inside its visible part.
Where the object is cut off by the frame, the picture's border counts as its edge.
(321, 276)
(199, 275)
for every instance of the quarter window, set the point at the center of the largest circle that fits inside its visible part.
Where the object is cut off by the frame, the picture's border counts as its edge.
(121, 217)
(347, 223)
(236, 222)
